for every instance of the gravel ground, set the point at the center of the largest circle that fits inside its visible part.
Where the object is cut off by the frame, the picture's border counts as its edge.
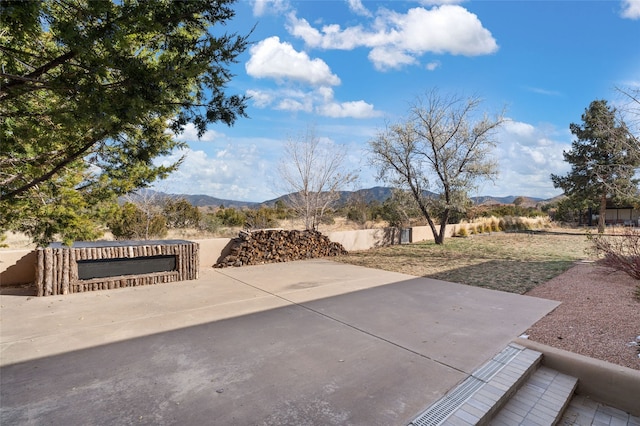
(598, 317)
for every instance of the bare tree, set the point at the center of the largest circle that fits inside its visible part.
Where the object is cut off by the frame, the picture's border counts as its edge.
(400, 208)
(313, 172)
(629, 113)
(438, 154)
(631, 103)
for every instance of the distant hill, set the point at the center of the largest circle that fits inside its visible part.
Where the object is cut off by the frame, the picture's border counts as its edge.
(377, 193)
(199, 200)
(206, 200)
(509, 199)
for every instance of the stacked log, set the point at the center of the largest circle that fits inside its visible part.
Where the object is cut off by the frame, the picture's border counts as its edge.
(276, 245)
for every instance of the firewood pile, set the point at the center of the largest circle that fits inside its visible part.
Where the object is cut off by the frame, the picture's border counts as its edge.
(277, 245)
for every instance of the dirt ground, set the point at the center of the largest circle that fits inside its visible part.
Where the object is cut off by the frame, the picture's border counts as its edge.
(599, 316)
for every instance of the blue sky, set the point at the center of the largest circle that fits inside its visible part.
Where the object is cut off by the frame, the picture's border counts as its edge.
(346, 67)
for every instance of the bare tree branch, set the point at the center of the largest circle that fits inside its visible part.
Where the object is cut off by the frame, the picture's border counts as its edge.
(442, 143)
(313, 173)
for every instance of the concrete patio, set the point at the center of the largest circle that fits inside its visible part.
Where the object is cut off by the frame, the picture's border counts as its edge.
(310, 342)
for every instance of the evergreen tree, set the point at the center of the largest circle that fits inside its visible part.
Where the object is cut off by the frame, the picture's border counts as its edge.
(88, 93)
(604, 159)
(181, 214)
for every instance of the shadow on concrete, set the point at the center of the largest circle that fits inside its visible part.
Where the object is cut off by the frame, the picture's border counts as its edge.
(283, 366)
(27, 290)
(377, 356)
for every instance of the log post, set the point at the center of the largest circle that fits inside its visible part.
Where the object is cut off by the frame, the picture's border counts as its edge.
(40, 273)
(48, 272)
(66, 270)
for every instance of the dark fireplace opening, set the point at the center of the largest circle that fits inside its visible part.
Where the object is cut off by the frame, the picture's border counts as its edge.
(103, 268)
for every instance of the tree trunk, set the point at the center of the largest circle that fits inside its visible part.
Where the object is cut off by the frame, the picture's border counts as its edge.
(438, 238)
(443, 227)
(603, 213)
(425, 213)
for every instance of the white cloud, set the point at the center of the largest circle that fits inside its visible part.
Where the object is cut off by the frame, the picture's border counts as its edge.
(445, 29)
(518, 128)
(536, 155)
(331, 36)
(190, 134)
(321, 100)
(358, 8)
(260, 98)
(631, 9)
(385, 58)
(289, 104)
(236, 172)
(357, 109)
(271, 58)
(398, 39)
(527, 156)
(439, 2)
(275, 7)
(432, 66)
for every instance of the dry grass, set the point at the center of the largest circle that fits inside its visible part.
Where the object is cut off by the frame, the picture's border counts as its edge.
(514, 262)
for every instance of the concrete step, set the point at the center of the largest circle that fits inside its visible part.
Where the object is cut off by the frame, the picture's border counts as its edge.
(482, 395)
(585, 411)
(541, 400)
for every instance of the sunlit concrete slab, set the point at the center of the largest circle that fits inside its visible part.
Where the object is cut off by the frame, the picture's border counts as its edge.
(458, 325)
(313, 342)
(329, 277)
(32, 327)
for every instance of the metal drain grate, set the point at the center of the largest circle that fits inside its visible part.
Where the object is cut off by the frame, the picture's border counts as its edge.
(507, 354)
(487, 371)
(443, 408)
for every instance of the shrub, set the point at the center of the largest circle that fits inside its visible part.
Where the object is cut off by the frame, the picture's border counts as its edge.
(130, 222)
(462, 232)
(231, 217)
(620, 252)
(495, 225)
(327, 219)
(210, 223)
(262, 218)
(181, 214)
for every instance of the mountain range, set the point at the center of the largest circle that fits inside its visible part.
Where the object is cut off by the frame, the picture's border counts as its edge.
(377, 193)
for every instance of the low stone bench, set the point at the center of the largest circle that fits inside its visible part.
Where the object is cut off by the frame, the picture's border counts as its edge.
(103, 265)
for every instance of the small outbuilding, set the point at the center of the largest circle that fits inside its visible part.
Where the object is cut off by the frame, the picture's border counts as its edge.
(622, 216)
